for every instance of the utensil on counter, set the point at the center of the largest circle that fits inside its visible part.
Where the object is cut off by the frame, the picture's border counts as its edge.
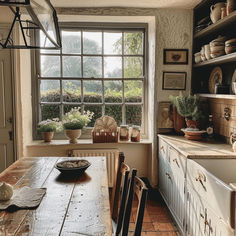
(215, 78)
(215, 14)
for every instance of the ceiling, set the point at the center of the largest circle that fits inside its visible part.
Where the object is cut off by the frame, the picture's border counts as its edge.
(184, 4)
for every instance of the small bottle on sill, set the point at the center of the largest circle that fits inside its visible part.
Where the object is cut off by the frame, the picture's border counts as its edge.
(210, 128)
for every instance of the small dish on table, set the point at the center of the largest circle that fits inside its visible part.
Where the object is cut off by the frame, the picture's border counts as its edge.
(193, 134)
(72, 167)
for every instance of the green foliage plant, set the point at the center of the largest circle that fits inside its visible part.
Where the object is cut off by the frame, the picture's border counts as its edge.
(75, 120)
(187, 106)
(49, 125)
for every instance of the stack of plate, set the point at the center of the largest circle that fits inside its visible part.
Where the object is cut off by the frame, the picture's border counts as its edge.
(230, 46)
(217, 47)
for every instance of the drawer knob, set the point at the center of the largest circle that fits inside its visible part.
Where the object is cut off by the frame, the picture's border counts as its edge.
(167, 174)
(162, 148)
(199, 178)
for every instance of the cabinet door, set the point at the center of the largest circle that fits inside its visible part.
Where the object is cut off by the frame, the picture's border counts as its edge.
(177, 204)
(163, 180)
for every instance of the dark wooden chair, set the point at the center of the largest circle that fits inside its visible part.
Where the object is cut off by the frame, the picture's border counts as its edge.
(124, 172)
(138, 187)
(115, 197)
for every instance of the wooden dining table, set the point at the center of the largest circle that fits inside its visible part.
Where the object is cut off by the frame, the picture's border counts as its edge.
(71, 206)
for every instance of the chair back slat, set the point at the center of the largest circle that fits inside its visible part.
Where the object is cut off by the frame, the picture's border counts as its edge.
(128, 208)
(125, 177)
(116, 186)
(141, 191)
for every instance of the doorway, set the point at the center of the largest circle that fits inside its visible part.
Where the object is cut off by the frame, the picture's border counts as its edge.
(6, 108)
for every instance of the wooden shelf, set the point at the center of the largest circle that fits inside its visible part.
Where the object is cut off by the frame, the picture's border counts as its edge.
(224, 96)
(218, 60)
(219, 25)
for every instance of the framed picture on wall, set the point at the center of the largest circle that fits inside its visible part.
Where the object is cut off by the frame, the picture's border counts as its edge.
(174, 80)
(175, 56)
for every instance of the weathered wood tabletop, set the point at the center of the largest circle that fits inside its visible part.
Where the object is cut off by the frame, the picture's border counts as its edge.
(71, 206)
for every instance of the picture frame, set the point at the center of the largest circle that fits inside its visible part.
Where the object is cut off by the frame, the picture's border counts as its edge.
(174, 80)
(175, 56)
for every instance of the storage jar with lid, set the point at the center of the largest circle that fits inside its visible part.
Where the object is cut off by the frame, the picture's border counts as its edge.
(135, 134)
(124, 133)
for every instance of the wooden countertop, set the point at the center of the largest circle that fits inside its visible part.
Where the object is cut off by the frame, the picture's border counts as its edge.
(199, 149)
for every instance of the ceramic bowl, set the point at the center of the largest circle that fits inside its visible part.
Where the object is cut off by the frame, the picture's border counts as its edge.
(230, 49)
(217, 48)
(217, 54)
(207, 51)
(197, 57)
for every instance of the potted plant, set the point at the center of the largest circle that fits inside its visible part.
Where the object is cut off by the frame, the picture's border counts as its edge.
(188, 107)
(47, 128)
(74, 121)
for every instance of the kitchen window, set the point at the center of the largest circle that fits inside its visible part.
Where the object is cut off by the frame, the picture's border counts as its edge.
(100, 68)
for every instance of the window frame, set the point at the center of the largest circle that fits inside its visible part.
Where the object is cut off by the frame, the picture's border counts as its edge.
(35, 56)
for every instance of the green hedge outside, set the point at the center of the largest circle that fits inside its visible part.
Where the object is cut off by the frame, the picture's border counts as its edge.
(133, 113)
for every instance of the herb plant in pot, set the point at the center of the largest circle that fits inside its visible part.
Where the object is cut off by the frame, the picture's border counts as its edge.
(48, 127)
(73, 122)
(188, 107)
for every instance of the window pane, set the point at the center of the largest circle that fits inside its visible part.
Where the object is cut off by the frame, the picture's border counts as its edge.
(45, 42)
(71, 66)
(92, 91)
(112, 43)
(113, 67)
(71, 90)
(50, 66)
(133, 91)
(92, 42)
(49, 90)
(133, 43)
(113, 91)
(114, 111)
(68, 108)
(133, 67)
(92, 67)
(71, 42)
(133, 115)
(50, 112)
(97, 110)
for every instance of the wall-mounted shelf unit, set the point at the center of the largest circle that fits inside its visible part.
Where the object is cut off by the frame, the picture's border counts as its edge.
(201, 71)
(222, 96)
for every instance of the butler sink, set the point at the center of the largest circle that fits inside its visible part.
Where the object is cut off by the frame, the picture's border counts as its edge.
(213, 180)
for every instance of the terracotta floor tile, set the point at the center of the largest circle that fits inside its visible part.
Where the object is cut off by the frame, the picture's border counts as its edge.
(167, 234)
(164, 226)
(149, 234)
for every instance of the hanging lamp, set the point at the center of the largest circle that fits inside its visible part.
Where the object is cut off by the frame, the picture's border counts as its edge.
(41, 31)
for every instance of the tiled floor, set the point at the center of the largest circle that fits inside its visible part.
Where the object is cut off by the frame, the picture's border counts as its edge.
(157, 219)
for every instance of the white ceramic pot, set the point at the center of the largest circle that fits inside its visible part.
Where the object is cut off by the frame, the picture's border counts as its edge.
(207, 51)
(197, 57)
(215, 14)
(73, 135)
(203, 57)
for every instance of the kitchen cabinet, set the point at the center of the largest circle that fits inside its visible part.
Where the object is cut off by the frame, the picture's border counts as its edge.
(224, 27)
(197, 191)
(172, 181)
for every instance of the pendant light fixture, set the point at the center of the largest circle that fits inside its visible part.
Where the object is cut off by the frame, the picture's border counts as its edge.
(40, 31)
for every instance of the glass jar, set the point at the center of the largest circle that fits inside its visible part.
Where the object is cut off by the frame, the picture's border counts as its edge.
(135, 134)
(124, 133)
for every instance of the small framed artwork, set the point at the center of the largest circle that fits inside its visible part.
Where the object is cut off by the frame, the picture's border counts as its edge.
(175, 56)
(174, 80)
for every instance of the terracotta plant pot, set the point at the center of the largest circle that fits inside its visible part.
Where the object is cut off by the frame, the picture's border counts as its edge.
(192, 123)
(178, 121)
(73, 135)
(47, 136)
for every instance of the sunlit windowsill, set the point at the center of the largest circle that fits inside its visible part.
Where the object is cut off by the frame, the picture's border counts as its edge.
(38, 143)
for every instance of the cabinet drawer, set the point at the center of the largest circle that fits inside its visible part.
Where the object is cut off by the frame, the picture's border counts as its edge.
(177, 162)
(211, 190)
(163, 148)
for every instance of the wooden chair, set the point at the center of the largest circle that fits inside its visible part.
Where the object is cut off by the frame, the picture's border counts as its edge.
(117, 225)
(115, 198)
(137, 187)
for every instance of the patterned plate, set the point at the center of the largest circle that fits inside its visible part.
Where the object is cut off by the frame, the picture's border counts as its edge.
(215, 77)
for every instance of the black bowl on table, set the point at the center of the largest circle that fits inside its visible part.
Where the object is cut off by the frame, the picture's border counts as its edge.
(72, 167)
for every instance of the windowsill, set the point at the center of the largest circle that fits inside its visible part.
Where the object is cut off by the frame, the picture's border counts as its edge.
(38, 143)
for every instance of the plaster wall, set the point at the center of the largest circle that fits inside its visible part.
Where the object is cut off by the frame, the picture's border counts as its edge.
(171, 28)
(6, 15)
